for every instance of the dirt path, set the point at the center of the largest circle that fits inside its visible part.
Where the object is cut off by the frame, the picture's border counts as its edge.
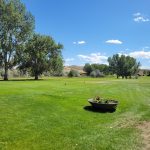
(145, 133)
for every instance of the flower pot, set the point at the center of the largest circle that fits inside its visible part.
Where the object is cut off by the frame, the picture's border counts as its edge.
(107, 105)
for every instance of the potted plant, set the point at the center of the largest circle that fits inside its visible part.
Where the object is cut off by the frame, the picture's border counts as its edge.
(103, 104)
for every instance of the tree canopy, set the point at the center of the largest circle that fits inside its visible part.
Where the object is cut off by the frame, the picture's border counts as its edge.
(123, 66)
(89, 68)
(16, 26)
(41, 54)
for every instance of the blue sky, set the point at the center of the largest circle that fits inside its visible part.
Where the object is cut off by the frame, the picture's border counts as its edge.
(93, 30)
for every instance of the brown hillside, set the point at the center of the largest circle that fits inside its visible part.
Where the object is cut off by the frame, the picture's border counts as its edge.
(77, 68)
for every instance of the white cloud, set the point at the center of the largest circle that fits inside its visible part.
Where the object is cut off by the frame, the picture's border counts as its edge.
(146, 47)
(145, 67)
(122, 53)
(137, 14)
(140, 54)
(94, 58)
(141, 19)
(138, 17)
(79, 42)
(137, 54)
(74, 42)
(114, 42)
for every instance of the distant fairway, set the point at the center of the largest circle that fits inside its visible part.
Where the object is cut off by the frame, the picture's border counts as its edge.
(49, 114)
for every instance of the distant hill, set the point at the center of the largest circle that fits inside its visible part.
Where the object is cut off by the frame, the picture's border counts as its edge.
(77, 68)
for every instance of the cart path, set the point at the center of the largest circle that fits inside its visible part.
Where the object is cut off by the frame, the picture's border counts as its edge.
(145, 134)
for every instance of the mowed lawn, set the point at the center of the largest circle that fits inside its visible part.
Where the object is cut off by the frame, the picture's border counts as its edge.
(49, 114)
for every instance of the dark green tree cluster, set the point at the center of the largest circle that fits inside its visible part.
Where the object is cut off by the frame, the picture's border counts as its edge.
(20, 46)
(96, 70)
(41, 54)
(124, 66)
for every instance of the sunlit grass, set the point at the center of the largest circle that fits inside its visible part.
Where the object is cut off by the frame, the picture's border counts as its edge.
(50, 114)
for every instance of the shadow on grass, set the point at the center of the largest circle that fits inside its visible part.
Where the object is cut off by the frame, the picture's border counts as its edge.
(21, 80)
(97, 110)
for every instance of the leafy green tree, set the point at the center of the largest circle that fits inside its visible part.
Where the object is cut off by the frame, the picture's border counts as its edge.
(56, 63)
(131, 66)
(88, 68)
(16, 26)
(40, 55)
(123, 65)
(101, 67)
(114, 64)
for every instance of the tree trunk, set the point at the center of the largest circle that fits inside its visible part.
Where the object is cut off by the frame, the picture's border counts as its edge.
(6, 77)
(36, 77)
(6, 72)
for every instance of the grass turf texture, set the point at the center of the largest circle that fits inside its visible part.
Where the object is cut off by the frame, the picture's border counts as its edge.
(50, 114)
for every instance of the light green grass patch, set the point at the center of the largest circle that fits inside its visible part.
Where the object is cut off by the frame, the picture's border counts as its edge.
(50, 114)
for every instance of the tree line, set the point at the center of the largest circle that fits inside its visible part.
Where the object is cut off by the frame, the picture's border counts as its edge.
(124, 66)
(20, 46)
(96, 70)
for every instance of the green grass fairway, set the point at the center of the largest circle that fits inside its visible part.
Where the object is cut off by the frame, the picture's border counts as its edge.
(49, 114)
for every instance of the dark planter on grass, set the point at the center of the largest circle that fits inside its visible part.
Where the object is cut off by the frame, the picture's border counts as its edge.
(105, 105)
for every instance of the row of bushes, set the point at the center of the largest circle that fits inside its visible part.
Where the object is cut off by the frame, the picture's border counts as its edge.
(14, 73)
(74, 73)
